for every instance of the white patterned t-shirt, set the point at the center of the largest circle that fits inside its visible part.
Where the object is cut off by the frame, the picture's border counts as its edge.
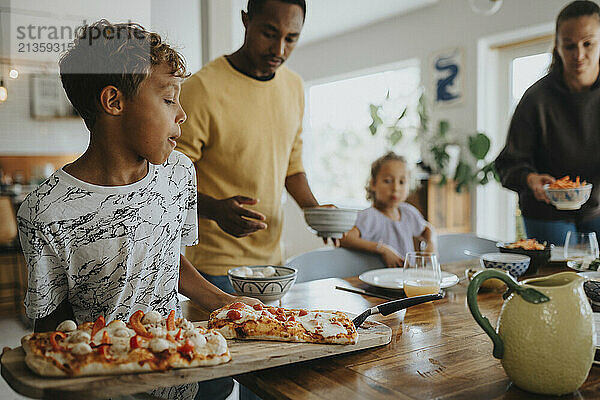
(109, 250)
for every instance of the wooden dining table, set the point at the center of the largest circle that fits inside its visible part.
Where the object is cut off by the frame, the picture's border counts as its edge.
(437, 350)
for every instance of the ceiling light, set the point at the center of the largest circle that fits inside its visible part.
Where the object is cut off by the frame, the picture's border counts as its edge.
(485, 7)
(14, 74)
(3, 91)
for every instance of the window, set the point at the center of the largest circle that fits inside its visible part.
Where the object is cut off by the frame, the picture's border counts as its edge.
(526, 71)
(339, 148)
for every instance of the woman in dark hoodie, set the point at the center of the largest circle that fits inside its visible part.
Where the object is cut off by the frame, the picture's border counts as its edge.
(555, 130)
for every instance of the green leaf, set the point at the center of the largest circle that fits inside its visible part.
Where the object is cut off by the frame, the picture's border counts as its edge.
(440, 156)
(422, 111)
(395, 135)
(444, 127)
(479, 145)
(402, 115)
(373, 128)
(376, 119)
(463, 175)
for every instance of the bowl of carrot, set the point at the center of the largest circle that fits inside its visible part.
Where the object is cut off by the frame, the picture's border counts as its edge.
(567, 194)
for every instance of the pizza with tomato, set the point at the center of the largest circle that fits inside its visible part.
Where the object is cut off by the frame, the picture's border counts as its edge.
(260, 322)
(147, 342)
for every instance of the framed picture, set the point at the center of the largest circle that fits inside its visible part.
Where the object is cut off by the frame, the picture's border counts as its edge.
(48, 99)
(447, 76)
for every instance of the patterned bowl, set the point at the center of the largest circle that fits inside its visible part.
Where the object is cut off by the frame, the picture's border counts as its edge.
(514, 264)
(569, 199)
(539, 258)
(264, 288)
(591, 286)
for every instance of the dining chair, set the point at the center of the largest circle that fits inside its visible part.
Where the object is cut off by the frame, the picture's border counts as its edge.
(10, 260)
(333, 263)
(450, 247)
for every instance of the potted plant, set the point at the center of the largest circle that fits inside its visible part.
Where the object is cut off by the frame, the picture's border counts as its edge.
(445, 152)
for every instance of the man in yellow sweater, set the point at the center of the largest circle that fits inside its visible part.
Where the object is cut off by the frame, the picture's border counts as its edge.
(243, 135)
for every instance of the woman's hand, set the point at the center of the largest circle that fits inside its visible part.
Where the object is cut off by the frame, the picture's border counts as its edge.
(390, 257)
(536, 183)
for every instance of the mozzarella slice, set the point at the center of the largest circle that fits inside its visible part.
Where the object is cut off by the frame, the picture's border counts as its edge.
(79, 337)
(152, 317)
(81, 349)
(117, 324)
(321, 324)
(216, 342)
(67, 326)
(158, 345)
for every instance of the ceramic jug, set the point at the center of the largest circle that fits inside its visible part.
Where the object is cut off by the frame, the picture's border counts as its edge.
(545, 331)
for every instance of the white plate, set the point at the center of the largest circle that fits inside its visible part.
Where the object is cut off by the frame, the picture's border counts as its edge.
(391, 278)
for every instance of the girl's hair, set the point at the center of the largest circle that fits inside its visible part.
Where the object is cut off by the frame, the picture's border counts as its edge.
(376, 167)
(576, 9)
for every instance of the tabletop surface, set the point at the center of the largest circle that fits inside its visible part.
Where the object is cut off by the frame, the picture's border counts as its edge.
(437, 351)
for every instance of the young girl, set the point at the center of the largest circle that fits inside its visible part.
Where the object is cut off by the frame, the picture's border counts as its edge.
(390, 227)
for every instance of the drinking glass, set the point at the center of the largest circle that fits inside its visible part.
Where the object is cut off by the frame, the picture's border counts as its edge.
(581, 249)
(422, 274)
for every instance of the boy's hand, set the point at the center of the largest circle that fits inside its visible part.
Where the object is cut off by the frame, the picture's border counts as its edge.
(236, 220)
(248, 300)
(390, 257)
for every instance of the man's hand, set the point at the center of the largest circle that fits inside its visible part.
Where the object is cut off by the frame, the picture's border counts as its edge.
(335, 242)
(390, 257)
(236, 220)
(536, 183)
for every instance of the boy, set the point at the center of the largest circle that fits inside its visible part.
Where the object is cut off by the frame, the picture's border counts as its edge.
(102, 235)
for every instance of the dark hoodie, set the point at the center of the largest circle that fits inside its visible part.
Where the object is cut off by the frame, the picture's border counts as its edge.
(556, 132)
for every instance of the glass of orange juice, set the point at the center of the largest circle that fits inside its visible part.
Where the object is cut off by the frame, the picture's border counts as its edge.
(422, 274)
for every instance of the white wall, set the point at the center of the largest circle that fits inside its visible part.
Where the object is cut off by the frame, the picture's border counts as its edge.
(177, 20)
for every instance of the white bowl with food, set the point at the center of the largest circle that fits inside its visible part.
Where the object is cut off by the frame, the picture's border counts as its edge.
(264, 282)
(330, 222)
(569, 198)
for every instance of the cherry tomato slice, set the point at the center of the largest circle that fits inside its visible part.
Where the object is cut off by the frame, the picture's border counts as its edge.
(136, 325)
(99, 324)
(171, 321)
(233, 315)
(54, 343)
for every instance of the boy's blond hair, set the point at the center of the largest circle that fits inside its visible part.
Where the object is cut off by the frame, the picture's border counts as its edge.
(104, 54)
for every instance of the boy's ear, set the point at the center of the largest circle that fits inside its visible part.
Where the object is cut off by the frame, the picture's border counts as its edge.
(245, 19)
(111, 100)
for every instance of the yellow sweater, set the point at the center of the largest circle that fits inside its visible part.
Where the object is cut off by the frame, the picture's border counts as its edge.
(243, 136)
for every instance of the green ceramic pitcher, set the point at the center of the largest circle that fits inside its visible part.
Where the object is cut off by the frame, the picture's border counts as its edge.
(545, 331)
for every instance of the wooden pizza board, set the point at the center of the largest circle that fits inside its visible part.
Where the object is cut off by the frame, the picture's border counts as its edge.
(246, 356)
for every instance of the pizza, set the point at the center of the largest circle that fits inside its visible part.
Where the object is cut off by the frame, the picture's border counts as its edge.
(260, 322)
(147, 342)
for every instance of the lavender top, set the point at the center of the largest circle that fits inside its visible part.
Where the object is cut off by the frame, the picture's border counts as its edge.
(375, 226)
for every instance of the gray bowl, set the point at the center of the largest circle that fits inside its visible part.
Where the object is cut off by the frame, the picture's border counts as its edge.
(265, 289)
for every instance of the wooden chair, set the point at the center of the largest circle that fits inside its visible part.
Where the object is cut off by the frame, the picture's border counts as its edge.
(333, 263)
(450, 247)
(10, 271)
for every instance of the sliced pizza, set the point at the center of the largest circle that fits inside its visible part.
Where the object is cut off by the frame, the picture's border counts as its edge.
(147, 342)
(259, 322)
